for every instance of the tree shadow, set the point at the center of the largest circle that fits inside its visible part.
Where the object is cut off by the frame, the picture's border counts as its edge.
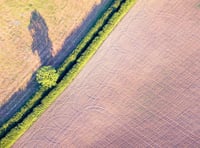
(42, 45)
(41, 42)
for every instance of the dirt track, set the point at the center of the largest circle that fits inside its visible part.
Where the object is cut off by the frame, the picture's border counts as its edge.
(141, 89)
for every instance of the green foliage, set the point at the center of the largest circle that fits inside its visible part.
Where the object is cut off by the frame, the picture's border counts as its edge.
(47, 76)
(79, 57)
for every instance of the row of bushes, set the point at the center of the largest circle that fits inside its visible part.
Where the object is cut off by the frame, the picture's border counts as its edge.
(62, 70)
(67, 64)
(79, 59)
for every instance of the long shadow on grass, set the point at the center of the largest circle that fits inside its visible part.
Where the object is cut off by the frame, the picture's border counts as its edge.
(20, 97)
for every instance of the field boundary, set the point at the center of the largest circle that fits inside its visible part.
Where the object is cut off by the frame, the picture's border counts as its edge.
(33, 109)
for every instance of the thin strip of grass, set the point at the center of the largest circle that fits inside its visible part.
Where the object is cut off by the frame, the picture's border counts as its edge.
(19, 130)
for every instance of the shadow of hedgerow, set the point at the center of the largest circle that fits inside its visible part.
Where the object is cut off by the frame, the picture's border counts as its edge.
(38, 29)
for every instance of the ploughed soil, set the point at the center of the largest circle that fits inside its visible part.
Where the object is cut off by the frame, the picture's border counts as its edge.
(141, 89)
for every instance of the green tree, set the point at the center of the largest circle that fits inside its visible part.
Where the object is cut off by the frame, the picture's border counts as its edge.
(47, 76)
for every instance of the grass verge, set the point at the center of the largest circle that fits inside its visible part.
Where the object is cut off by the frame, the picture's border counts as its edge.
(32, 110)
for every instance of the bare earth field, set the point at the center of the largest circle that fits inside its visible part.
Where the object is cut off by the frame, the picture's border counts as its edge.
(18, 58)
(141, 89)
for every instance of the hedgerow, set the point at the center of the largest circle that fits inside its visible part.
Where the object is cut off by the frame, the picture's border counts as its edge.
(32, 110)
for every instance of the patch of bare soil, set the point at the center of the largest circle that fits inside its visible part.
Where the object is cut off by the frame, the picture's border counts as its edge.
(141, 89)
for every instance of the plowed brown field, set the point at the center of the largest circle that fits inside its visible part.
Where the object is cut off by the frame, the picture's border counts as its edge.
(141, 89)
